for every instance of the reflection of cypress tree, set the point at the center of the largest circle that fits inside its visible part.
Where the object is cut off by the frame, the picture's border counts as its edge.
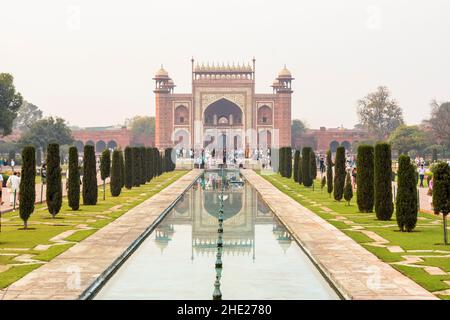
(406, 201)
(329, 173)
(339, 173)
(364, 178)
(27, 195)
(296, 159)
(73, 193)
(128, 168)
(90, 188)
(383, 185)
(136, 167)
(54, 184)
(306, 166)
(116, 174)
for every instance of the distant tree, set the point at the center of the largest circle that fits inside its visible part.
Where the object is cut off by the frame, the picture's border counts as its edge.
(46, 131)
(27, 195)
(10, 102)
(329, 173)
(136, 167)
(406, 201)
(383, 182)
(298, 129)
(142, 128)
(379, 113)
(439, 123)
(339, 173)
(27, 114)
(74, 179)
(54, 182)
(90, 188)
(434, 156)
(116, 174)
(407, 138)
(38, 157)
(105, 168)
(312, 157)
(306, 167)
(296, 159)
(128, 170)
(441, 192)
(348, 189)
(364, 178)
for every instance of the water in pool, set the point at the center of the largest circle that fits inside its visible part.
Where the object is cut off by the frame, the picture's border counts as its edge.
(260, 258)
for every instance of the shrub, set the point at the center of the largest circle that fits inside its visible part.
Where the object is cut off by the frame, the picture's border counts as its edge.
(339, 173)
(116, 174)
(73, 182)
(306, 167)
(90, 188)
(365, 178)
(406, 201)
(136, 167)
(313, 164)
(105, 168)
(27, 195)
(384, 206)
(296, 159)
(441, 192)
(54, 183)
(348, 190)
(128, 168)
(329, 173)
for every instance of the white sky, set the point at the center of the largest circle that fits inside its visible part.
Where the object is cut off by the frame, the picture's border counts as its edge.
(92, 62)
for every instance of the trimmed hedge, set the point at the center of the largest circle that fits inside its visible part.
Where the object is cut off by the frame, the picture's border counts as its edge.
(90, 188)
(365, 178)
(73, 183)
(27, 195)
(296, 164)
(406, 201)
(128, 168)
(306, 167)
(329, 173)
(116, 174)
(54, 183)
(339, 173)
(384, 206)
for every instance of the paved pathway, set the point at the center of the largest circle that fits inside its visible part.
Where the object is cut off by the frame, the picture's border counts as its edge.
(357, 273)
(70, 273)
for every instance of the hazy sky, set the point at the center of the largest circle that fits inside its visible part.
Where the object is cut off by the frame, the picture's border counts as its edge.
(92, 62)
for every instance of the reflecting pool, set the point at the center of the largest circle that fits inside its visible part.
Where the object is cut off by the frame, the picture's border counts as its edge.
(178, 260)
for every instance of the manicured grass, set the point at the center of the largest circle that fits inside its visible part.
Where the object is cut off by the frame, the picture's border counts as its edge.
(428, 234)
(43, 228)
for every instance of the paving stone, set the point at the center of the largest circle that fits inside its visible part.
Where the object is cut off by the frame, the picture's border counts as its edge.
(395, 249)
(435, 271)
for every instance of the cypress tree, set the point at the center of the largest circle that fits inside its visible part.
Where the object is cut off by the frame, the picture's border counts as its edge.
(300, 170)
(434, 156)
(441, 192)
(136, 167)
(281, 161)
(329, 173)
(406, 201)
(128, 168)
(90, 188)
(296, 158)
(365, 178)
(313, 171)
(27, 195)
(306, 167)
(116, 174)
(148, 157)
(143, 168)
(288, 162)
(384, 206)
(122, 169)
(54, 183)
(323, 183)
(105, 168)
(155, 162)
(339, 173)
(348, 190)
(73, 182)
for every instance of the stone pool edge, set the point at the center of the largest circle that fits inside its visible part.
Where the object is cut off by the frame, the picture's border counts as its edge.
(355, 272)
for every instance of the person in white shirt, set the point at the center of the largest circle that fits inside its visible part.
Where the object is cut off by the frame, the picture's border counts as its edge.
(13, 185)
(421, 175)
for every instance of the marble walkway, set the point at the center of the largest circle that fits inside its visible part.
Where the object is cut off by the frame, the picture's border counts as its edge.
(72, 272)
(354, 271)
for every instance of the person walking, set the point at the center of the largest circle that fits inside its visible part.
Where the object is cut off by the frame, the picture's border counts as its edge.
(322, 164)
(13, 185)
(421, 175)
(13, 163)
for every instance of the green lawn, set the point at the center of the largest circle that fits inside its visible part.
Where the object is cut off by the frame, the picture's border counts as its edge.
(17, 244)
(428, 234)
